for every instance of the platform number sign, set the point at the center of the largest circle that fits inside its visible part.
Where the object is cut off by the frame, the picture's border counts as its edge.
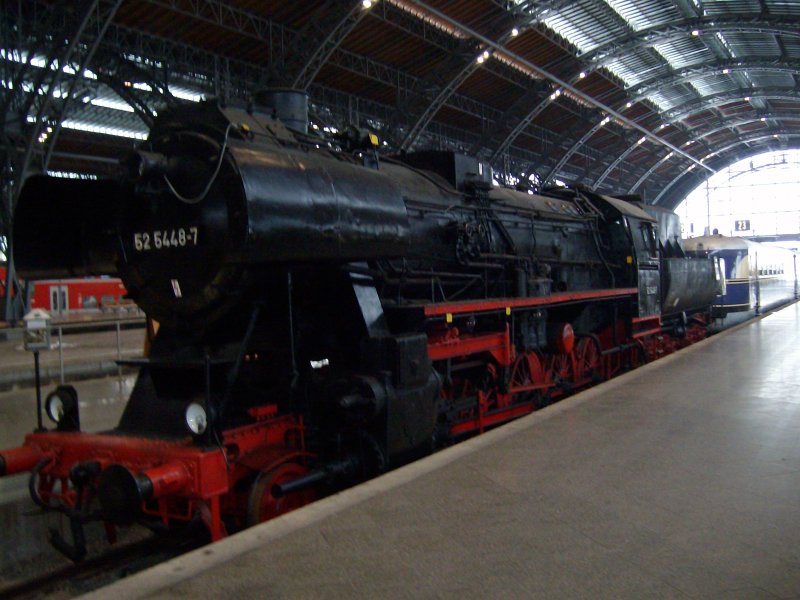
(742, 225)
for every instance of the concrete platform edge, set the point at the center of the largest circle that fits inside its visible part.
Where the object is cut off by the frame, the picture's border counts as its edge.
(172, 572)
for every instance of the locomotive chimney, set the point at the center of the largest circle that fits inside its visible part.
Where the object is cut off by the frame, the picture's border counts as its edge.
(289, 105)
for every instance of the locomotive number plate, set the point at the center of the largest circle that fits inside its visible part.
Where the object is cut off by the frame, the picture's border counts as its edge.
(168, 238)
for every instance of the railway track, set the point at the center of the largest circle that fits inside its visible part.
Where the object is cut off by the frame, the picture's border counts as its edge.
(80, 578)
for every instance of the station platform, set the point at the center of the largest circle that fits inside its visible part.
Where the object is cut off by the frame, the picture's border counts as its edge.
(678, 480)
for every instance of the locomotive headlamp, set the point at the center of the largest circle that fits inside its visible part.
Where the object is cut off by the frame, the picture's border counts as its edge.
(196, 418)
(54, 407)
(61, 405)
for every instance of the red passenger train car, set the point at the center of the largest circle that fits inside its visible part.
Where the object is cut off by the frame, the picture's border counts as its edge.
(61, 297)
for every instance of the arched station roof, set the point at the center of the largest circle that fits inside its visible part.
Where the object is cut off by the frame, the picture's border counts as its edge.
(625, 96)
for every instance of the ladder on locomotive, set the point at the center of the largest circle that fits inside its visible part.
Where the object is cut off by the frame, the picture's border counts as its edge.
(586, 207)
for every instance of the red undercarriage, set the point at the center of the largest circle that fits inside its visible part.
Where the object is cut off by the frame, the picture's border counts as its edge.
(235, 484)
(186, 480)
(517, 383)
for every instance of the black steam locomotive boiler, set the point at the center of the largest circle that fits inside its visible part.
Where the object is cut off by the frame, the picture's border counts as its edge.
(325, 314)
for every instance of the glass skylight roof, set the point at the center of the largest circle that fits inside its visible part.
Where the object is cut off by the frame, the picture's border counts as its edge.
(572, 29)
(590, 24)
(644, 14)
(575, 23)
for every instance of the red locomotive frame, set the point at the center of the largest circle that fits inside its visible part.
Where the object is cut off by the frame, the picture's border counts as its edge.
(180, 478)
(574, 363)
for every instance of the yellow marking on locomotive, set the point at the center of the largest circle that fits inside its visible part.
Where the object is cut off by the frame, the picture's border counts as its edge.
(448, 317)
(151, 329)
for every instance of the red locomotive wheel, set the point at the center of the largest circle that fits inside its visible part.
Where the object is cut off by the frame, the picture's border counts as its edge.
(263, 506)
(562, 368)
(528, 370)
(589, 358)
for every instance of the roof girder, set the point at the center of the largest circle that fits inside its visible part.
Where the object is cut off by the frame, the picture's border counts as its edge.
(514, 118)
(650, 171)
(306, 60)
(687, 109)
(614, 164)
(574, 148)
(677, 188)
(643, 90)
(648, 37)
(756, 143)
(444, 81)
(463, 70)
(756, 136)
(81, 49)
(749, 120)
(221, 14)
(224, 13)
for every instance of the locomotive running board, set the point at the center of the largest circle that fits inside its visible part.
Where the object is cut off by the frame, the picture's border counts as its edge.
(476, 306)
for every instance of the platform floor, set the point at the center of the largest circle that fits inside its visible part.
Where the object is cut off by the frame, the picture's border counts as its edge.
(679, 480)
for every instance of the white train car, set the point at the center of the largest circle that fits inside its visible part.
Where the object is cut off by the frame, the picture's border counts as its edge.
(757, 277)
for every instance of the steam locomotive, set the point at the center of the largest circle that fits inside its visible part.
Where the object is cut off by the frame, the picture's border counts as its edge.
(326, 314)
